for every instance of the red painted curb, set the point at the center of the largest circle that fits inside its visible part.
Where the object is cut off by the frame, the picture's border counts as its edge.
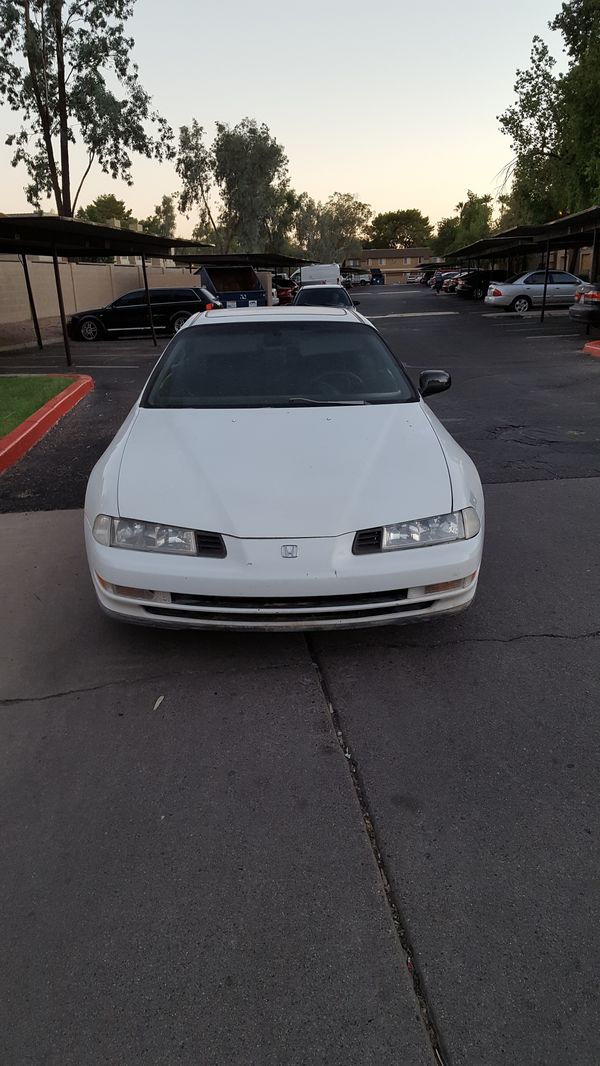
(592, 348)
(23, 437)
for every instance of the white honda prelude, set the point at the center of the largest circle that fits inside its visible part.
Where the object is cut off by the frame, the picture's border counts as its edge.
(280, 471)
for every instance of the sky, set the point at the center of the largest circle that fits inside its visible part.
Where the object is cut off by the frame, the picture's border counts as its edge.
(392, 101)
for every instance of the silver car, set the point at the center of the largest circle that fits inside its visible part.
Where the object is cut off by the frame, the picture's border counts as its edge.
(524, 291)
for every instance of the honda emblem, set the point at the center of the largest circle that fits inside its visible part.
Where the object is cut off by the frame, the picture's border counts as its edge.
(289, 551)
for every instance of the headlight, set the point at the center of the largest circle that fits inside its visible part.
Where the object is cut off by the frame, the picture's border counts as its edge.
(441, 529)
(144, 536)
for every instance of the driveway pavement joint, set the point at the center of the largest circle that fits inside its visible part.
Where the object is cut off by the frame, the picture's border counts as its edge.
(425, 1008)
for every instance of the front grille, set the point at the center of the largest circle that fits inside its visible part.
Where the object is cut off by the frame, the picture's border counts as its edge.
(288, 603)
(304, 618)
(367, 541)
(210, 544)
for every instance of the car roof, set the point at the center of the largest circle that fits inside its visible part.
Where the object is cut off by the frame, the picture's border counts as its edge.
(266, 314)
(322, 285)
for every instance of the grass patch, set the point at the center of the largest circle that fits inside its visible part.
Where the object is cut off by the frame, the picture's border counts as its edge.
(21, 396)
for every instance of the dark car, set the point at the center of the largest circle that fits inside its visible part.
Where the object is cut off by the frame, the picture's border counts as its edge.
(323, 296)
(586, 308)
(377, 277)
(451, 283)
(477, 283)
(129, 314)
(426, 276)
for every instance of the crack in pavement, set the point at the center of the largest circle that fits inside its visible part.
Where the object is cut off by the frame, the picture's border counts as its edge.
(9, 701)
(427, 645)
(398, 922)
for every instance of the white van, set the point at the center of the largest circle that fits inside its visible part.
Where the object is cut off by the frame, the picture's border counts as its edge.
(318, 274)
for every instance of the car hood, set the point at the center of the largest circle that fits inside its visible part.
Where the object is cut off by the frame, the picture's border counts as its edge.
(90, 311)
(283, 472)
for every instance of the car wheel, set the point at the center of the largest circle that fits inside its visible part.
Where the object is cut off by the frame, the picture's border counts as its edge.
(89, 330)
(178, 321)
(478, 294)
(521, 304)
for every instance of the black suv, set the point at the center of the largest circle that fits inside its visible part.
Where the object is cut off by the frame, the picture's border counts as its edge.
(129, 314)
(477, 283)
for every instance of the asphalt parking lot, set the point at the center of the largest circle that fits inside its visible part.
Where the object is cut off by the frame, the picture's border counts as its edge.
(359, 848)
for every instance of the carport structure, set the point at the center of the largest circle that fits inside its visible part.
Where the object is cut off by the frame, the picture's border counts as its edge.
(55, 236)
(570, 233)
(257, 260)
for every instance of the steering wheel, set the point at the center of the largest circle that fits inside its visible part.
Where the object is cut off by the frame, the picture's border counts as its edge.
(341, 381)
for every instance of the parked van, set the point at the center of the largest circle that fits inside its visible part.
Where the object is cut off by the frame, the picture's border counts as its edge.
(318, 274)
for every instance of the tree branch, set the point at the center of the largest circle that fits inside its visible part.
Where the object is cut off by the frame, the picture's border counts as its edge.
(85, 174)
(207, 209)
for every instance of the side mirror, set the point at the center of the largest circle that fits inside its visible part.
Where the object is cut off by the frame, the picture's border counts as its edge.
(356, 303)
(431, 381)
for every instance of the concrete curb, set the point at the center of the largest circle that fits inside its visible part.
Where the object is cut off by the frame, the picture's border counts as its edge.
(23, 437)
(592, 348)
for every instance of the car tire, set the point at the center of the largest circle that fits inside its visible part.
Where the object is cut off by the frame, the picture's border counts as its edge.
(521, 304)
(478, 294)
(90, 330)
(178, 321)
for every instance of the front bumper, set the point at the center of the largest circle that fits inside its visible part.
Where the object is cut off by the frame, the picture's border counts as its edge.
(255, 588)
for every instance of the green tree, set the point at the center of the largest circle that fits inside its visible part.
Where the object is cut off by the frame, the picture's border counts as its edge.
(250, 170)
(333, 231)
(279, 223)
(474, 218)
(307, 224)
(534, 124)
(472, 221)
(446, 236)
(579, 24)
(66, 68)
(400, 229)
(194, 164)
(239, 185)
(553, 124)
(104, 209)
(162, 222)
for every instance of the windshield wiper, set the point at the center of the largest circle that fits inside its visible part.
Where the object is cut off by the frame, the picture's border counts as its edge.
(307, 401)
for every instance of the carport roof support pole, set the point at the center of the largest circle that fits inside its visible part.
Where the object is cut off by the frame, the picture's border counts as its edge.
(34, 317)
(148, 299)
(595, 266)
(61, 308)
(546, 275)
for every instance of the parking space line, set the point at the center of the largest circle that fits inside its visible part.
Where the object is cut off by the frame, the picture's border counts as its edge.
(523, 315)
(414, 314)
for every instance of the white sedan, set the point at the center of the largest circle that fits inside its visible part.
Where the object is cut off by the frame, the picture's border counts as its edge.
(281, 472)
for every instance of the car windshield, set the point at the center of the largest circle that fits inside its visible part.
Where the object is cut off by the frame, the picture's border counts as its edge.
(324, 297)
(277, 364)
